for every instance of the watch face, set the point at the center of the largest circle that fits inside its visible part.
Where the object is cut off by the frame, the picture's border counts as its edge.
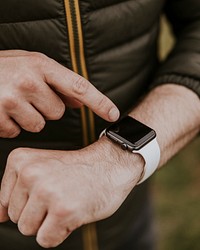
(130, 133)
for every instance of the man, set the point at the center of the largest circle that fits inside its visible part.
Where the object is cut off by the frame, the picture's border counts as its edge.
(51, 186)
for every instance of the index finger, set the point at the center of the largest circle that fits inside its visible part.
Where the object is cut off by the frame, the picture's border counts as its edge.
(69, 83)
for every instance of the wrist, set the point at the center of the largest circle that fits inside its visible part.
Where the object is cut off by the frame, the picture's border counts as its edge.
(135, 137)
(120, 159)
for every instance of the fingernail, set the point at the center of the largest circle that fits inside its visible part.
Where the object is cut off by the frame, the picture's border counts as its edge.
(114, 114)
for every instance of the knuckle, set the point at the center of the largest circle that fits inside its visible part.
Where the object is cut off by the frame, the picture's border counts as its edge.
(102, 103)
(27, 84)
(17, 155)
(62, 212)
(12, 216)
(38, 56)
(10, 132)
(25, 229)
(9, 102)
(36, 127)
(40, 126)
(67, 211)
(44, 192)
(26, 175)
(80, 85)
(58, 112)
(39, 59)
(4, 203)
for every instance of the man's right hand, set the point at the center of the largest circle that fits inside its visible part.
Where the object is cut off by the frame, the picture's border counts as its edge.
(35, 88)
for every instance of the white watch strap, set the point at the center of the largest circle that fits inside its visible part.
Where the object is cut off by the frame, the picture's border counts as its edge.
(151, 155)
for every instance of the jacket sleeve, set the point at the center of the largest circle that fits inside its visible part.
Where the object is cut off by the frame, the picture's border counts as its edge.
(183, 64)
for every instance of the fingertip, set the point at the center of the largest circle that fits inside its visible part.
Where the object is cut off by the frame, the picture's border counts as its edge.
(114, 114)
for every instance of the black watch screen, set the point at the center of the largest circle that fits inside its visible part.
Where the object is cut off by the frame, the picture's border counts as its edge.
(130, 133)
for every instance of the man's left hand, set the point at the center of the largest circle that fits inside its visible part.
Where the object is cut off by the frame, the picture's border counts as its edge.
(51, 193)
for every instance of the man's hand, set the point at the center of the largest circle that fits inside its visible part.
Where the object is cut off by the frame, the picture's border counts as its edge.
(53, 191)
(35, 88)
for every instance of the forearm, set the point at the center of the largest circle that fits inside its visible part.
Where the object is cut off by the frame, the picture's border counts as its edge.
(174, 113)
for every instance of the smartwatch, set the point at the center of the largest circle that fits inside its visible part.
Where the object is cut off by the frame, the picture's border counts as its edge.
(138, 138)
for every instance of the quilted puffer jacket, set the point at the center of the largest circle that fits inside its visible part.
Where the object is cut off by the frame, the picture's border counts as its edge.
(113, 43)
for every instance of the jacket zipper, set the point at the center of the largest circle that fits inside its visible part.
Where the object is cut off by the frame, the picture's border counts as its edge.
(87, 118)
(78, 63)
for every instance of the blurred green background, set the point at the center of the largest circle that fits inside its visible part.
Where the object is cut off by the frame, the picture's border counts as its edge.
(176, 189)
